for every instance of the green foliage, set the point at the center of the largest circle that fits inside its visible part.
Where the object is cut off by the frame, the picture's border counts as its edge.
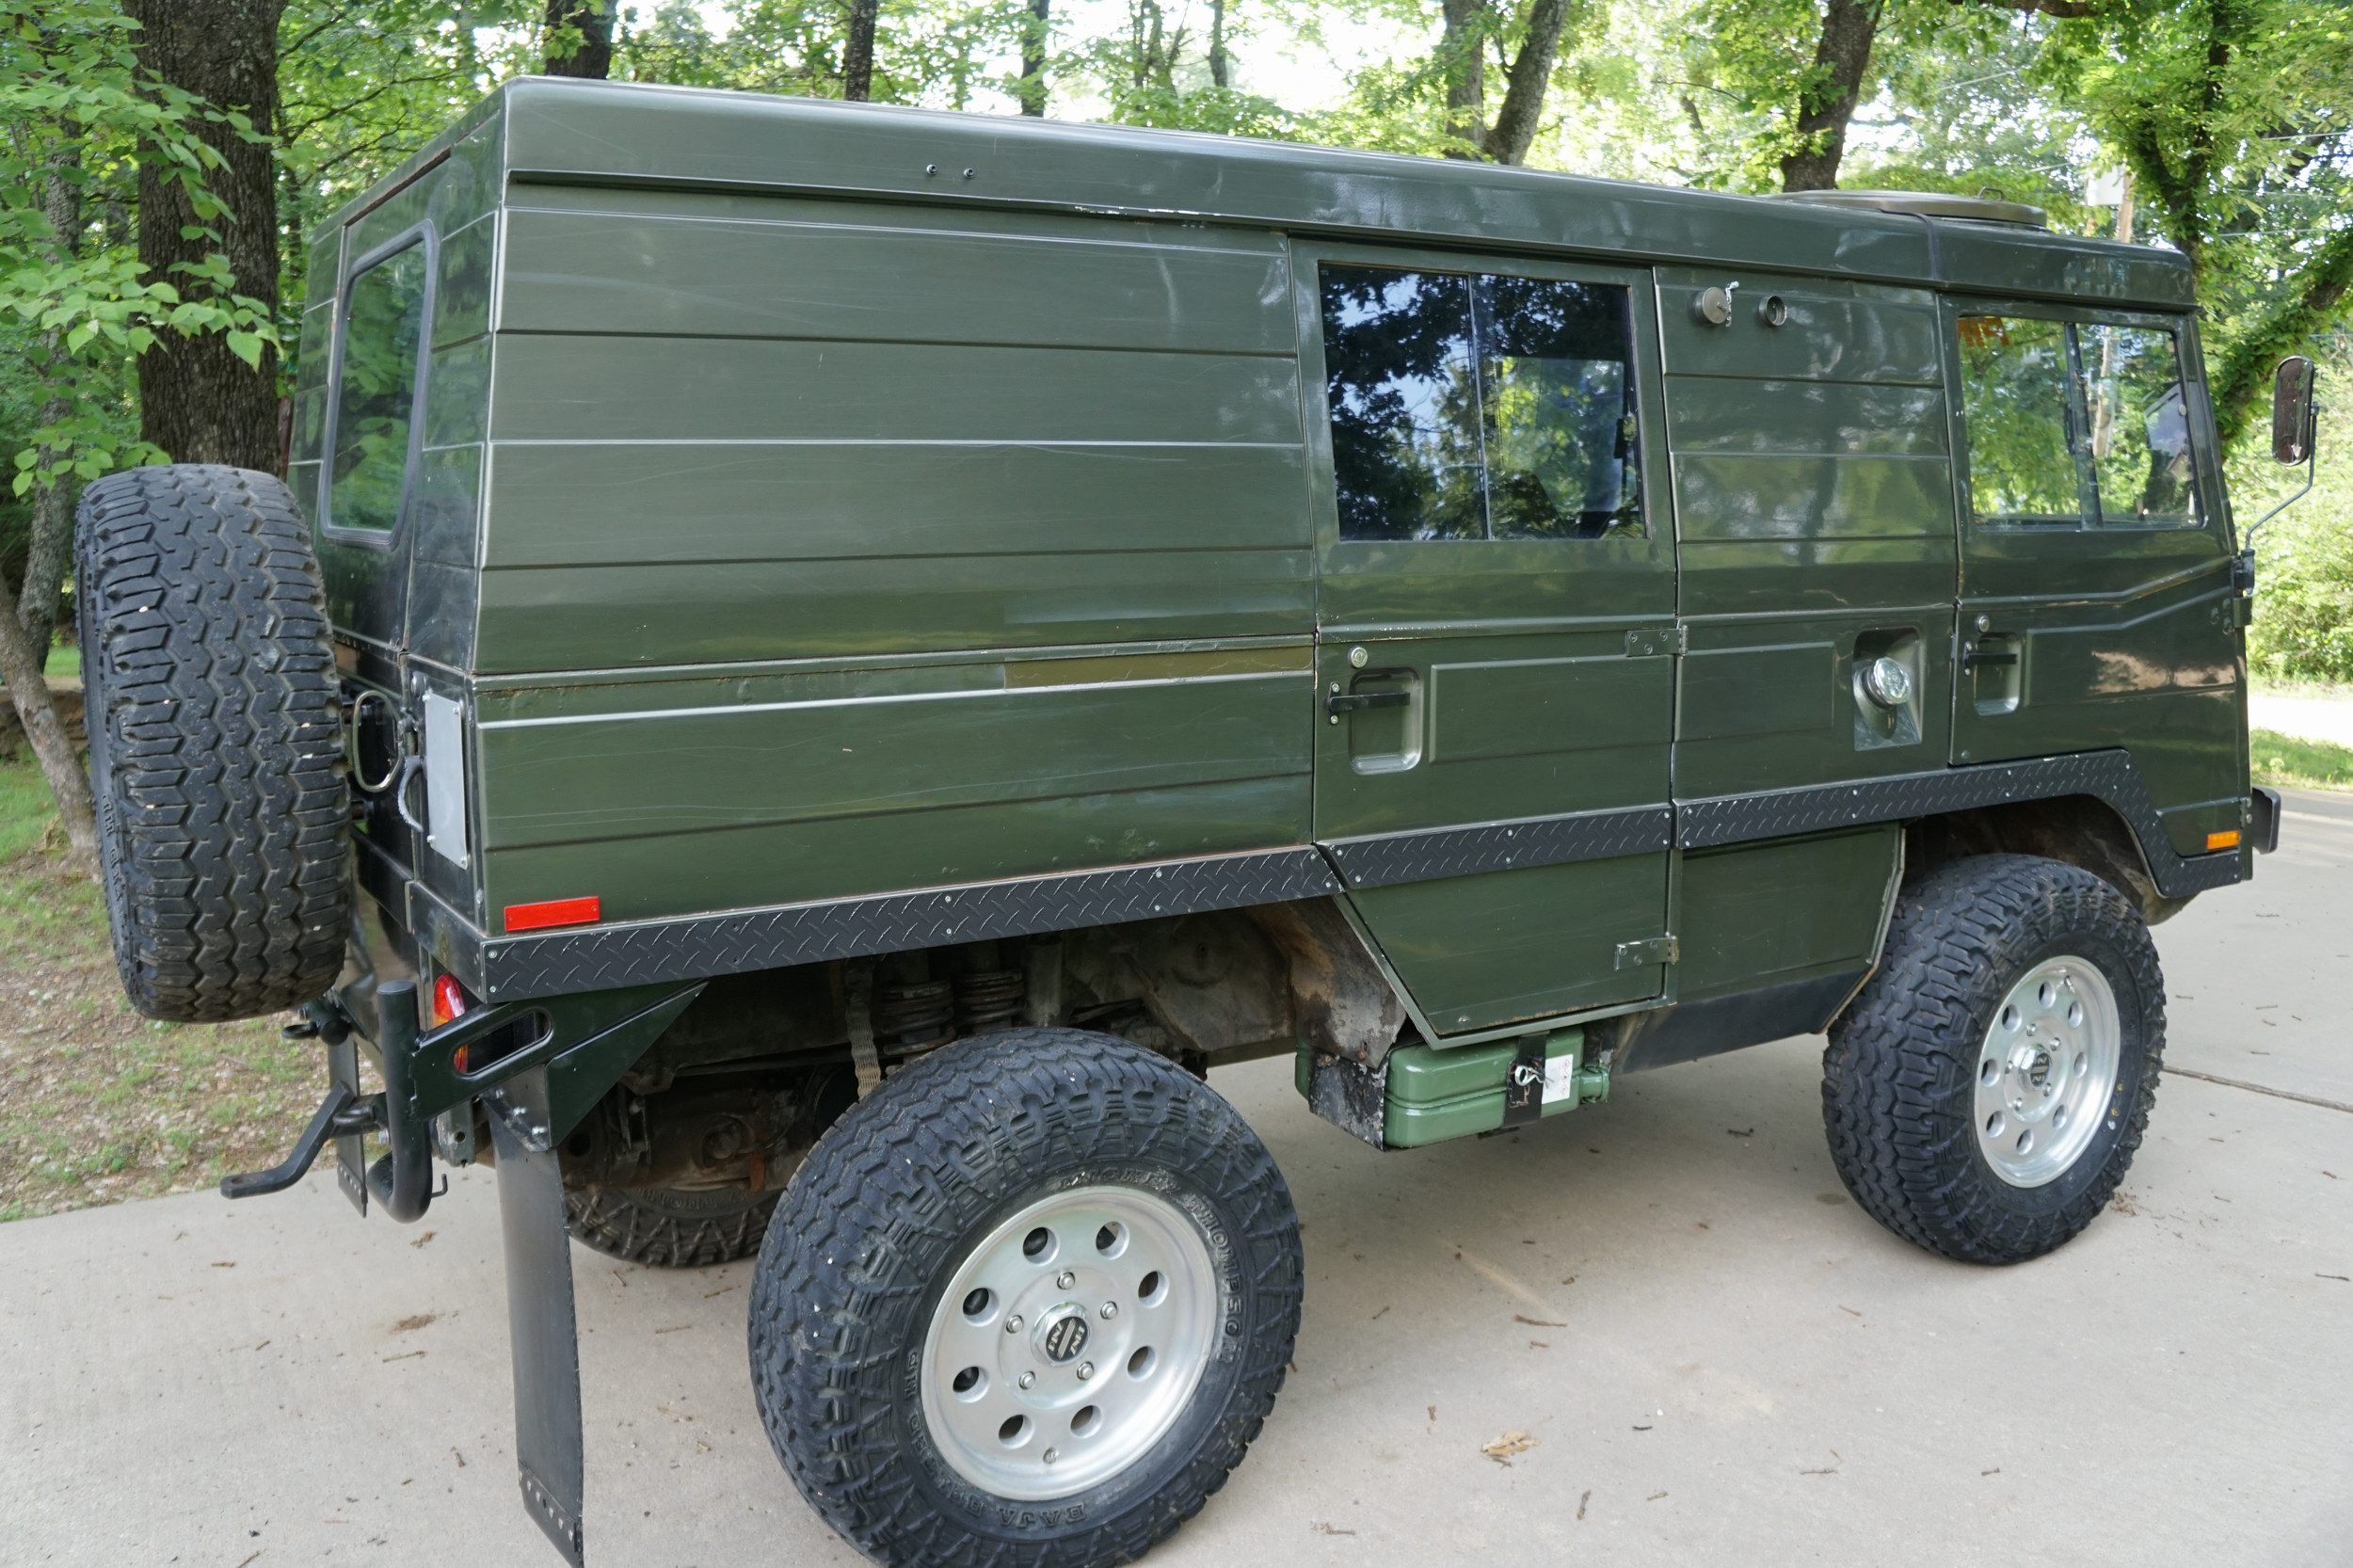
(76, 309)
(2299, 764)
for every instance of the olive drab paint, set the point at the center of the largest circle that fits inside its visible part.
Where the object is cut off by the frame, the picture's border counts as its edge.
(798, 522)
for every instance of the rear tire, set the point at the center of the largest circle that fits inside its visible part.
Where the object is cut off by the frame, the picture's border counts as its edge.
(666, 1227)
(215, 742)
(1986, 1092)
(904, 1286)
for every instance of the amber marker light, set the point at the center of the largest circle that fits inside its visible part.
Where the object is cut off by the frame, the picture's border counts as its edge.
(555, 911)
(2227, 839)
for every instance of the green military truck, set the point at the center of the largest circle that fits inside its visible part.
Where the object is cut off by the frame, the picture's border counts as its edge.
(816, 667)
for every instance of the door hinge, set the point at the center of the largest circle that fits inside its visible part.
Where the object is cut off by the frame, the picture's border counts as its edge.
(1649, 951)
(1655, 642)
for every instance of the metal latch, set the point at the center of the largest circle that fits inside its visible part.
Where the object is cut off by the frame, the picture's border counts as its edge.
(1649, 951)
(1655, 642)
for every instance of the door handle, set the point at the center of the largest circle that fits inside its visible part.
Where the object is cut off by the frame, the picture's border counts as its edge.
(1972, 659)
(1358, 702)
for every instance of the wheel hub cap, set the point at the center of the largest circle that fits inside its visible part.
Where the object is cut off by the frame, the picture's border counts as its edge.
(2047, 1071)
(1068, 1342)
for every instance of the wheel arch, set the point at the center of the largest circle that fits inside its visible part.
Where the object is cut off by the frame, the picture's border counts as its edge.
(2081, 830)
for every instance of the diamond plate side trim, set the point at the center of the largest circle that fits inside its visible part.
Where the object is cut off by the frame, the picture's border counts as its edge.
(2106, 775)
(845, 928)
(1379, 860)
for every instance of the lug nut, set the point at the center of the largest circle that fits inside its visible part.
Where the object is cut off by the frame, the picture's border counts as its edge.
(1013, 1324)
(1064, 1280)
(1111, 1310)
(1086, 1370)
(1048, 1456)
(1028, 1378)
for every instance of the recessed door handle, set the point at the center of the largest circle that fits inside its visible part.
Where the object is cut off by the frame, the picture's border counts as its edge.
(1358, 702)
(1973, 659)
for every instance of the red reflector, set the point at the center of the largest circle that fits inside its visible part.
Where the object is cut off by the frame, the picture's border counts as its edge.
(555, 911)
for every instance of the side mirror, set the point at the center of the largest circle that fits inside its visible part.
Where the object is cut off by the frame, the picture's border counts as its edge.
(2295, 412)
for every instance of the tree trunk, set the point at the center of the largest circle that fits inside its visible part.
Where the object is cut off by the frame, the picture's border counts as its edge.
(1034, 34)
(1221, 64)
(857, 51)
(591, 56)
(1463, 50)
(60, 759)
(1530, 78)
(1832, 90)
(198, 401)
(50, 543)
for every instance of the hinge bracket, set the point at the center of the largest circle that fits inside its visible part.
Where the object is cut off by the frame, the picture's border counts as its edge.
(1649, 951)
(1656, 642)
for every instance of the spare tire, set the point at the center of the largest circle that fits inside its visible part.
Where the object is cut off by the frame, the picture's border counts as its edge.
(215, 742)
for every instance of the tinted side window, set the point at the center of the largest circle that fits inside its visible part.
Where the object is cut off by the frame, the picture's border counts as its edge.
(1480, 407)
(2140, 453)
(2015, 397)
(376, 392)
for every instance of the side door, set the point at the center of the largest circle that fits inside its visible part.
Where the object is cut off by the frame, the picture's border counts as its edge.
(2097, 609)
(1495, 626)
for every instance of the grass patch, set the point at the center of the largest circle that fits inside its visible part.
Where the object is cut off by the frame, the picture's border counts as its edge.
(99, 1104)
(65, 659)
(2299, 764)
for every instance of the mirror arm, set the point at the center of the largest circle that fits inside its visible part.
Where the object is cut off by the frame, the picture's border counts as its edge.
(2246, 541)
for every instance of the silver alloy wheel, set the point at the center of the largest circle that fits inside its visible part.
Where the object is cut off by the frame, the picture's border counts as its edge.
(2048, 1070)
(1069, 1341)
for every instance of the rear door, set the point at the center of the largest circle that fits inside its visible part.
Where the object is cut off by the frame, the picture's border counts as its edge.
(2096, 605)
(1495, 667)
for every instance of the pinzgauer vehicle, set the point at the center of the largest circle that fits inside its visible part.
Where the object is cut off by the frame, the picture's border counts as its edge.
(816, 667)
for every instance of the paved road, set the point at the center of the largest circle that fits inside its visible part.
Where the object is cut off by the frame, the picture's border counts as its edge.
(1720, 1358)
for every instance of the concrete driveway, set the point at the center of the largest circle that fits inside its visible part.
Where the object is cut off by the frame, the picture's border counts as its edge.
(1718, 1357)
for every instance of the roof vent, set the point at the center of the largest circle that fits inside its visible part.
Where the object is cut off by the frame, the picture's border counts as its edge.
(1926, 203)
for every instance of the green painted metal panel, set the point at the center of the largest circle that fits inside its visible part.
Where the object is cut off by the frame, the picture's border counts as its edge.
(1482, 951)
(556, 619)
(592, 389)
(566, 505)
(1761, 913)
(640, 878)
(697, 770)
(1803, 496)
(855, 278)
(1836, 332)
(464, 277)
(1736, 414)
(1771, 704)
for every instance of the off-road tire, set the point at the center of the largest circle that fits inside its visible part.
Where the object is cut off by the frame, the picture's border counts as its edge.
(668, 1227)
(1898, 1077)
(875, 1224)
(215, 742)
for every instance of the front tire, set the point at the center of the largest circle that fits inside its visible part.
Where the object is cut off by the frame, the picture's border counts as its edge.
(1985, 1093)
(1043, 1204)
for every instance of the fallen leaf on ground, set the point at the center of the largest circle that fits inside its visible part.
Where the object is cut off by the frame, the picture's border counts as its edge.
(1322, 1528)
(1503, 1448)
(1535, 1322)
(1586, 1497)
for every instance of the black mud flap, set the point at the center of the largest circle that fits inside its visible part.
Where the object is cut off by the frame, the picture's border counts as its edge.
(541, 1326)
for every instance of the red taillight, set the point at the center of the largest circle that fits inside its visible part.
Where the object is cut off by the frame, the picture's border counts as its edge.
(555, 911)
(449, 999)
(450, 1002)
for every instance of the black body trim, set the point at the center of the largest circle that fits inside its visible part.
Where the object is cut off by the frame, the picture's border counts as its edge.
(1380, 859)
(737, 943)
(503, 968)
(2106, 775)
(1691, 1030)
